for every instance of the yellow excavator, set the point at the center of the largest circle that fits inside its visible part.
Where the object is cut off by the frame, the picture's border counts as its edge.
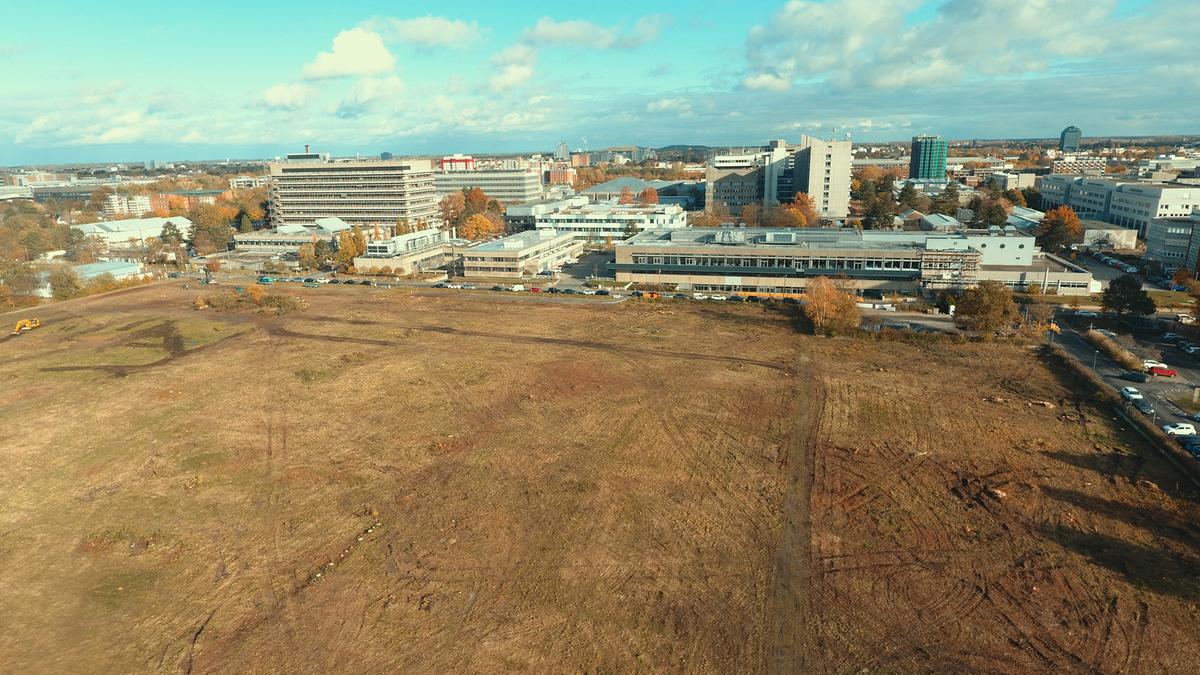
(26, 324)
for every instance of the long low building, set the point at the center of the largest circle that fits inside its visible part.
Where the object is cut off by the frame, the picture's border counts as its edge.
(509, 186)
(289, 238)
(409, 253)
(136, 230)
(522, 254)
(781, 260)
(605, 222)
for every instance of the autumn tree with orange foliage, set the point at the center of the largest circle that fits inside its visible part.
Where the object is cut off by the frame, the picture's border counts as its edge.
(479, 226)
(1060, 227)
(829, 308)
(647, 196)
(626, 196)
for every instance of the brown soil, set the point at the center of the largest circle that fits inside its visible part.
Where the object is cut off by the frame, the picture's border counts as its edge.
(437, 482)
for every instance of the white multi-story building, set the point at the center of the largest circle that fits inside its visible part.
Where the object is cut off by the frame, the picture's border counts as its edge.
(523, 254)
(1079, 164)
(118, 204)
(418, 251)
(776, 174)
(509, 186)
(1168, 240)
(247, 182)
(822, 170)
(360, 192)
(1126, 203)
(1012, 181)
(600, 222)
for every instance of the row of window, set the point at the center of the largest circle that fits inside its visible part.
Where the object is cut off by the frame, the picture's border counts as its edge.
(771, 262)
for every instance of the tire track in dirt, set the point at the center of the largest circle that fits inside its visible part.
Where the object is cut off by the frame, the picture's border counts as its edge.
(790, 609)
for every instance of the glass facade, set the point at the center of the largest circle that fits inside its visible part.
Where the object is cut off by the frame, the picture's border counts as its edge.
(928, 161)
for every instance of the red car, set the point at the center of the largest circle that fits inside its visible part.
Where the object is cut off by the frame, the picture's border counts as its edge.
(535, 290)
(1163, 372)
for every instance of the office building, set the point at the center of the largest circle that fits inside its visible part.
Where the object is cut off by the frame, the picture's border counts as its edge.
(187, 199)
(523, 254)
(120, 204)
(1068, 140)
(562, 152)
(1121, 202)
(1011, 181)
(509, 186)
(928, 158)
(597, 223)
(135, 230)
(821, 169)
(408, 253)
(1168, 240)
(521, 217)
(247, 182)
(1078, 164)
(360, 192)
(784, 260)
(289, 238)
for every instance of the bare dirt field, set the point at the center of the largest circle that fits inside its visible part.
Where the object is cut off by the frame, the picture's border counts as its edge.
(435, 482)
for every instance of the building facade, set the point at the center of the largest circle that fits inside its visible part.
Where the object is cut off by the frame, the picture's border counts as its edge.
(1078, 164)
(1126, 203)
(927, 160)
(247, 182)
(822, 171)
(360, 192)
(611, 222)
(769, 260)
(1068, 140)
(289, 238)
(523, 254)
(118, 204)
(1169, 239)
(408, 253)
(509, 186)
(136, 230)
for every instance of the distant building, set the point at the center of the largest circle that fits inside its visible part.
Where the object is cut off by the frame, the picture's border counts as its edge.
(385, 156)
(778, 172)
(1012, 181)
(408, 253)
(1078, 164)
(247, 182)
(456, 162)
(822, 171)
(520, 217)
(523, 254)
(928, 158)
(562, 152)
(601, 222)
(138, 230)
(187, 199)
(1068, 140)
(289, 238)
(118, 270)
(509, 186)
(360, 192)
(1128, 203)
(785, 260)
(120, 204)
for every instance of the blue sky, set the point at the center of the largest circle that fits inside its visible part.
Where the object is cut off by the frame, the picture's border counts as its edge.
(87, 81)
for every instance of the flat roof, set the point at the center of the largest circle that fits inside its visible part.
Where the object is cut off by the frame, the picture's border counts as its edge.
(520, 240)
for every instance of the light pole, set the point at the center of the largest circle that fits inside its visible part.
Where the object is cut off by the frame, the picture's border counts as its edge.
(1095, 358)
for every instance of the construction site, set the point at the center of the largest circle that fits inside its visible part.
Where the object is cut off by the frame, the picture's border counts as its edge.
(402, 480)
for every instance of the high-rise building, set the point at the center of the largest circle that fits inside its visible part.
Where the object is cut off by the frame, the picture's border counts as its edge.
(822, 171)
(385, 156)
(1068, 140)
(562, 151)
(360, 192)
(510, 186)
(928, 160)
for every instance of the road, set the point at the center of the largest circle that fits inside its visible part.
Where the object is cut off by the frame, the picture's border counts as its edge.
(1158, 390)
(593, 264)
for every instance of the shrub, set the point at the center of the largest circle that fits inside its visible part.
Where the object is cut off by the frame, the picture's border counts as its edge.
(1113, 350)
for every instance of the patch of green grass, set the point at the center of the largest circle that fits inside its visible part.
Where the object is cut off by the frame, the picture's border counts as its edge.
(311, 375)
(1172, 299)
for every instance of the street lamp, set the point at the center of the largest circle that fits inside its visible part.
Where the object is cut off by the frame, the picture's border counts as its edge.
(1095, 358)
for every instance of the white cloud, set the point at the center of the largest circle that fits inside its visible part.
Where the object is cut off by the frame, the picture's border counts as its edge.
(357, 51)
(427, 31)
(579, 33)
(768, 81)
(285, 96)
(367, 91)
(663, 105)
(514, 67)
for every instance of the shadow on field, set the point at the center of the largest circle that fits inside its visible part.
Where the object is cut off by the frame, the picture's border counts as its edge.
(1147, 567)
(1107, 464)
(1159, 521)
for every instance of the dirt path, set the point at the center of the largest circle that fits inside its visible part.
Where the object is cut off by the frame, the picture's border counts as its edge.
(789, 609)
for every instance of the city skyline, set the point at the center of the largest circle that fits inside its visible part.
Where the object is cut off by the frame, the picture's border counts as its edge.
(85, 83)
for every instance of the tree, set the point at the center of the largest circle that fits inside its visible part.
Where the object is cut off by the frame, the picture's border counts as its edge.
(308, 257)
(946, 203)
(781, 216)
(213, 223)
(1059, 228)
(213, 266)
(246, 225)
(452, 207)
(909, 196)
(715, 214)
(479, 226)
(987, 307)
(64, 283)
(802, 204)
(829, 308)
(647, 196)
(1033, 197)
(1016, 197)
(752, 214)
(474, 201)
(322, 253)
(1182, 276)
(171, 234)
(359, 240)
(626, 196)
(1125, 295)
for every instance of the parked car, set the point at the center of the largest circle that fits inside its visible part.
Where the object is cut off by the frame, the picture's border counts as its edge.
(468, 287)
(1134, 376)
(1179, 429)
(1151, 363)
(535, 289)
(1145, 407)
(1130, 393)
(499, 288)
(570, 291)
(588, 291)
(602, 292)
(716, 297)
(1106, 332)
(1163, 372)
(554, 290)
(699, 296)
(1171, 337)
(1185, 318)
(1191, 349)
(1086, 314)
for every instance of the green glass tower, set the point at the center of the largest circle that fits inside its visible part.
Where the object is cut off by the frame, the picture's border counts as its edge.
(928, 160)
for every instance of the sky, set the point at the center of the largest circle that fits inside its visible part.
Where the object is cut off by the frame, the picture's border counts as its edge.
(85, 81)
